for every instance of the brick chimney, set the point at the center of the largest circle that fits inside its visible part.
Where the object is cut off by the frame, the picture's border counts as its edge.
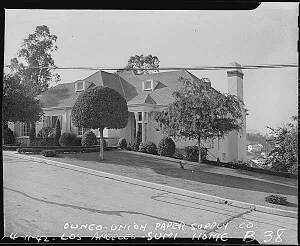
(235, 80)
(236, 141)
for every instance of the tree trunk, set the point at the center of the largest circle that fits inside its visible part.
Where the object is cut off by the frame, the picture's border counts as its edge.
(218, 159)
(3, 132)
(199, 149)
(101, 144)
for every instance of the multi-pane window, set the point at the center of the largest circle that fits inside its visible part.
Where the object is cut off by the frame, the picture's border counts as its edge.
(81, 131)
(148, 85)
(50, 121)
(24, 129)
(79, 86)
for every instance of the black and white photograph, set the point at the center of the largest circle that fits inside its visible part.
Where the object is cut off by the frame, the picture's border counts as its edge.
(123, 126)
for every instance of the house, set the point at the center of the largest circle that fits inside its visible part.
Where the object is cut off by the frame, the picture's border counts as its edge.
(144, 94)
(255, 147)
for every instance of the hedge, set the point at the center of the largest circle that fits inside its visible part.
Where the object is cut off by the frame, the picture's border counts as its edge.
(64, 149)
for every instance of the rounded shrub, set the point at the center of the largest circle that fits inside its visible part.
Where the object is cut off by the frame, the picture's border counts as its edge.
(166, 147)
(67, 139)
(49, 153)
(77, 142)
(275, 199)
(122, 143)
(148, 147)
(89, 139)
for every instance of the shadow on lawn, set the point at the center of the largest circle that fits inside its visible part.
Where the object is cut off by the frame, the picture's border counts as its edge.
(171, 169)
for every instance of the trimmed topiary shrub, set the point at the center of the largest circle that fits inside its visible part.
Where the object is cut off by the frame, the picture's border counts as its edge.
(89, 139)
(148, 147)
(57, 132)
(166, 147)
(48, 153)
(67, 139)
(122, 143)
(77, 141)
(275, 199)
(100, 107)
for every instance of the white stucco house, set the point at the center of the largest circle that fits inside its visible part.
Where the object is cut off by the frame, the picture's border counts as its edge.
(144, 94)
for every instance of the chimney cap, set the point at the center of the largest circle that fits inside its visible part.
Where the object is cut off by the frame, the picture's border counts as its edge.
(237, 67)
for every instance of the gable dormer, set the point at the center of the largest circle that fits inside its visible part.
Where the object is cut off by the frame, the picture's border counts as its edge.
(148, 85)
(79, 85)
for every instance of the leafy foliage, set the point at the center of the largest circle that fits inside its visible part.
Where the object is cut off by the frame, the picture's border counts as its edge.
(89, 139)
(148, 147)
(45, 141)
(100, 107)
(16, 104)
(284, 155)
(32, 134)
(57, 132)
(275, 199)
(139, 63)
(199, 112)
(166, 147)
(77, 141)
(46, 132)
(49, 153)
(67, 139)
(122, 143)
(36, 51)
(9, 137)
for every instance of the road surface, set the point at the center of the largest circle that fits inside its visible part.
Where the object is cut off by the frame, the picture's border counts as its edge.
(49, 201)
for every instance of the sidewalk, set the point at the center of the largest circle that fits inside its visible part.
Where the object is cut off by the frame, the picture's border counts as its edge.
(227, 183)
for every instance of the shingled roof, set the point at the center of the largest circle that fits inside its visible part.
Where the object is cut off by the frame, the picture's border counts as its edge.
(128, 84)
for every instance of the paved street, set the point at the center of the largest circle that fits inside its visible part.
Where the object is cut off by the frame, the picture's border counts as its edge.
(45, 200)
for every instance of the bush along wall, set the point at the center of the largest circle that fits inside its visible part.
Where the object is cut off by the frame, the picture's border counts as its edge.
(67, 139)
(89, 139)
(148, 147)
(166, 147)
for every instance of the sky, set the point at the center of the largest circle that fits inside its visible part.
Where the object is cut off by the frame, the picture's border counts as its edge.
(107, 38)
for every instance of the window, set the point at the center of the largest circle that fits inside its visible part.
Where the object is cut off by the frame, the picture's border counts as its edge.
(46, 121)
(24, 129)
(50, 121)
(81, 131)
(79, 86)
(224, 156)
(148, 85)
(140, 116)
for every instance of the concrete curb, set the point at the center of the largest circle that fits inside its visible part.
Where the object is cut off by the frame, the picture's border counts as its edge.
(197, 195)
